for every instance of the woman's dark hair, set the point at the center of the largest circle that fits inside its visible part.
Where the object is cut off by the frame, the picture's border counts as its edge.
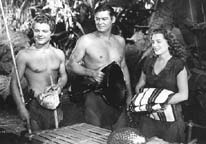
(105, 7)
(44, 18)
(176, 48)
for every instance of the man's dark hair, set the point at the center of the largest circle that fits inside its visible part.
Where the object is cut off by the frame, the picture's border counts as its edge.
(105, 7)
(44, 18)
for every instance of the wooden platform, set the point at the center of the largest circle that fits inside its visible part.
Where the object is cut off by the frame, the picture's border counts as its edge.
(76, 134)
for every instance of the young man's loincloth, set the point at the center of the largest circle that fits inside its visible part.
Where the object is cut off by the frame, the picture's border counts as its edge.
(41, 118)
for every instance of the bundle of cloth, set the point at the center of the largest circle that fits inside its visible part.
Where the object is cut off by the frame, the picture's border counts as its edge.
(112, 89)
(113, 86)
(49, 99)
(154, 101)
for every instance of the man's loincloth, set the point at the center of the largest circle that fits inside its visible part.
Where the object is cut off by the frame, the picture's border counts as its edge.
(98, 112)
(41, 118)
(105, 103)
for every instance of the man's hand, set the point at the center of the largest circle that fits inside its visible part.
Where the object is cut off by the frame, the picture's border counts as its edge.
(129, 96)
(98, 76)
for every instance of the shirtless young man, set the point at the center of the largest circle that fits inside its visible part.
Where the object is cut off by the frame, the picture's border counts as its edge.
(38, 64)
(91, 54)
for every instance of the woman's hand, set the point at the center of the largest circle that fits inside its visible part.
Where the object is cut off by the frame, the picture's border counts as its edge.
(138, 90)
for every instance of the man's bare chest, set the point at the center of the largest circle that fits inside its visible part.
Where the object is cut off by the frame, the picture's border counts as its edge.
(105, 52)
(43, 64)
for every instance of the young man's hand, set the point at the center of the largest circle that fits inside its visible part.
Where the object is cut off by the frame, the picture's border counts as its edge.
(55, 87)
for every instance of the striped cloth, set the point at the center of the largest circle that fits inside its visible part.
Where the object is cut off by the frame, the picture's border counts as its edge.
(155, 102)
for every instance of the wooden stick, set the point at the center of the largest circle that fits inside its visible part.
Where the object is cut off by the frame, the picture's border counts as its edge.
(189, 134)
(14, 61)
(203, 10)
(153, 14)
(56, 119)
(55, 111)
(51, 80)
(195, 37)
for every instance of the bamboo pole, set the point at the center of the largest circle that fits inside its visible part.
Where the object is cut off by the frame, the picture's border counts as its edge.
(13, 59)
(203, 10)
(189, 134)
(191, 11)
(195, 37)
(153, 14)
(55, 111)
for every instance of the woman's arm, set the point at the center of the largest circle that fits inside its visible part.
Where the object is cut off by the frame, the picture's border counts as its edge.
(182, 84)
(141, 82)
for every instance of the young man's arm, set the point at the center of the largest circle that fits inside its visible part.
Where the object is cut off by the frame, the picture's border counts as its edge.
(21, 66)
(62, 80)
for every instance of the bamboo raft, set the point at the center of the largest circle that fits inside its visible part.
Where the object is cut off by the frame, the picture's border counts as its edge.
(75, 134)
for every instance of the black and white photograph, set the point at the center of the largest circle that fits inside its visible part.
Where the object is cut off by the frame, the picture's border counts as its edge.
(102, 71)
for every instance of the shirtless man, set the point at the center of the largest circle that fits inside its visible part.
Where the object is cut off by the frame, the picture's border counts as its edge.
(38, 64)
(91, 54)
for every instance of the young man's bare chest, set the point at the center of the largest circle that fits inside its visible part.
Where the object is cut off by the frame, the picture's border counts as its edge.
(43, 62)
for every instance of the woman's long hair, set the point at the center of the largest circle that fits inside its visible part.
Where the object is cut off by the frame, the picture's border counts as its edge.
(176, 48)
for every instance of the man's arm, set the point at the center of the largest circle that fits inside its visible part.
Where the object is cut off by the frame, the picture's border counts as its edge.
(62, 80)
(76, 58)
(126, 73)
(127, 80)
(21, 66)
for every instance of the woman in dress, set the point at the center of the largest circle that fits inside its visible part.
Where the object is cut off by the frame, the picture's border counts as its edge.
(165, 70)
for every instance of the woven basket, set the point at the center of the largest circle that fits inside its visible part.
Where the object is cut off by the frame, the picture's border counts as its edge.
(4, 86)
